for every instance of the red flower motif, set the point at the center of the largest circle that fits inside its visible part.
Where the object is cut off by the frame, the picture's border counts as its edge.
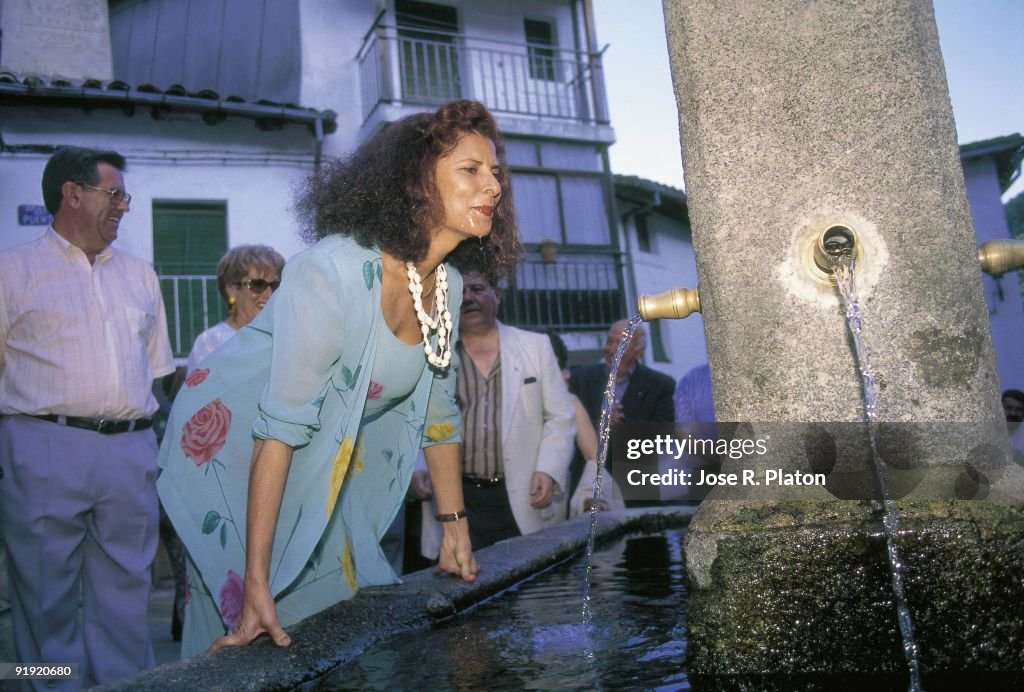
(205, 432)
(231, 600)
(196, 377)
(375, 390)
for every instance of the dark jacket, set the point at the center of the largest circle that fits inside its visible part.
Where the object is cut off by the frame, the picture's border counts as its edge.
(649, 397)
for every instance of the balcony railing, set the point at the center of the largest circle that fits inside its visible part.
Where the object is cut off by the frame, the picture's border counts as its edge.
(193, 304)
(536, 80)
(562, 296)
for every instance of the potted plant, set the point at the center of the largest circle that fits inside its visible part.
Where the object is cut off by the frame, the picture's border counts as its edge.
(548, 250)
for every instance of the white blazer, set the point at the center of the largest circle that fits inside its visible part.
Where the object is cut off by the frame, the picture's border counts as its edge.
(538, 425)
(538, 432)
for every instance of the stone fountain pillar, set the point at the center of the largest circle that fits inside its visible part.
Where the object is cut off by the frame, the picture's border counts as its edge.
(797, 115)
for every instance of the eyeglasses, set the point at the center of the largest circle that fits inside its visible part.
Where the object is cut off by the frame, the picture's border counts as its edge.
(259, 285)
(117, 195)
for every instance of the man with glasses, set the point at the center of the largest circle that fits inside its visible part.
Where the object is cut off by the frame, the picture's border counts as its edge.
(83, 334)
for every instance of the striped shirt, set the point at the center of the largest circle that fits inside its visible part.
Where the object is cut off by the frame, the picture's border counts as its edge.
(79, 339)
(479, 397)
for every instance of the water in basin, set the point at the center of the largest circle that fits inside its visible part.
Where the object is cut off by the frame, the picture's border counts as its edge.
(530, 637)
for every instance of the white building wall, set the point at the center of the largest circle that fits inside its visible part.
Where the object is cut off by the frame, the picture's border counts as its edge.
(1002, 294)
(669, 264)
(332, 33)
(179, 158)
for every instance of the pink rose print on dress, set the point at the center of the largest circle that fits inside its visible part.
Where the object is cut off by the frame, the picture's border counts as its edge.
(231, 600)
(196, 377)
(375, 390)
(205, 432)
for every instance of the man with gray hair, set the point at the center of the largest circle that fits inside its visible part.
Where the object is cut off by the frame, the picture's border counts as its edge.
(641, 394)
(83, 335)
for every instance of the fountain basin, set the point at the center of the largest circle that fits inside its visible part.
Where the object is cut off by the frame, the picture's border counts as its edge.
(802, 587)
(342, 632)
(531, 637)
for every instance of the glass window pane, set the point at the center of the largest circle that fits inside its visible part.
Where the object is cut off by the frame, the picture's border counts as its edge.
(521, 152)
(540, 35)
(577, 157)
(586, 217)
(536, 198)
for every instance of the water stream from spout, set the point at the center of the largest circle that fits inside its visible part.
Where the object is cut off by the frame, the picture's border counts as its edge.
(603, 435)
(843, 267)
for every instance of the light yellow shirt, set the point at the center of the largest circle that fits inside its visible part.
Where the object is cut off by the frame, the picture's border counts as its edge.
(79, 339)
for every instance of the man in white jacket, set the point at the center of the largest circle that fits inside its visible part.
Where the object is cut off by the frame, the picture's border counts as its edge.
(518, 422)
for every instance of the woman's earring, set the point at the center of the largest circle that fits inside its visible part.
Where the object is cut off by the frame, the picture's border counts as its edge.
(231, 301)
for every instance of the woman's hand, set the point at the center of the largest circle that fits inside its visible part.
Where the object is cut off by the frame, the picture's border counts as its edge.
(259, 616)
(270, 462)
(456, 556)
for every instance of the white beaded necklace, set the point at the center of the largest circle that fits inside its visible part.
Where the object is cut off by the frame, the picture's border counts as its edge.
(442, 321)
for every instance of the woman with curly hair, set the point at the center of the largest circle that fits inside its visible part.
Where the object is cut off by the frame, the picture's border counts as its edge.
(340, 380)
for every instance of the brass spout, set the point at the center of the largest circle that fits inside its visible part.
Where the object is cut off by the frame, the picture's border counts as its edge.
(673, 304)
(1000, 256)
(835, 242)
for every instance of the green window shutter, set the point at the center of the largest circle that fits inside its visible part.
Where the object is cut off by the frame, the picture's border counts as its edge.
(189, 238)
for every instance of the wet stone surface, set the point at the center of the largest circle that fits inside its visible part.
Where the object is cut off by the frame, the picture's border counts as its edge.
(804, 588)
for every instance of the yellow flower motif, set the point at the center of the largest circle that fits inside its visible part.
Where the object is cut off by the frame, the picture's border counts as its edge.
(338, 470)
(356, 467)
(440, 431)
(348, 568)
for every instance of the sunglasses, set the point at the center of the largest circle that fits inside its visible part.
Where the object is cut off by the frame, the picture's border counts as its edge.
(259, 285)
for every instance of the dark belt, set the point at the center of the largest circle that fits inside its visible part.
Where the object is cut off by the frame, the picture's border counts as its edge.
(102, 426)
(482, 482)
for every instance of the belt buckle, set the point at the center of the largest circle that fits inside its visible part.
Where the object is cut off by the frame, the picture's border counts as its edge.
(106, 427)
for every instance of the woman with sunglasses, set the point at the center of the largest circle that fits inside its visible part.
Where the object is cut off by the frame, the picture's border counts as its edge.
(340, 381)
(247, 275)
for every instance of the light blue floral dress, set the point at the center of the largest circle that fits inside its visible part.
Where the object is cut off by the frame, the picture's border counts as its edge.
(310, 389)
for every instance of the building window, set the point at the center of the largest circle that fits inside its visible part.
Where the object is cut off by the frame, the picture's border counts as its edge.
(586, 217)
(643, 233)
(572, 156)
(567, 208)
(428, 51)
(189, 238)
(559, 188)
(540, 43)
(537, 206)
